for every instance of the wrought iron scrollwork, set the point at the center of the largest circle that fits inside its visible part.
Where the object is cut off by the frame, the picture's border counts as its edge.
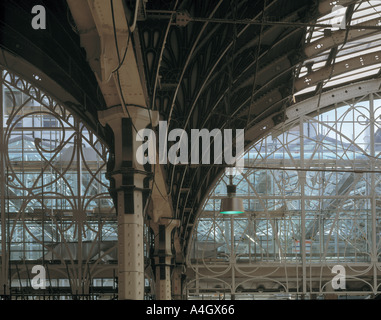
(58, 210)
(312, 196)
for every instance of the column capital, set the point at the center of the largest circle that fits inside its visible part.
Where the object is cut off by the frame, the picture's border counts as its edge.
(168, 222)
(140, 116)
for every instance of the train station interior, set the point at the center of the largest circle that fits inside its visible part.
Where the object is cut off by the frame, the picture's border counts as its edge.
(190, 149)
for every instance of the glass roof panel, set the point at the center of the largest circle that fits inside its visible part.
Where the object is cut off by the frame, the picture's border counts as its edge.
(353, 76)
(347, 45)
(365, 11)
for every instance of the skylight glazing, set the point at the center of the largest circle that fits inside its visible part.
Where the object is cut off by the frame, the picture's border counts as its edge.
(56, 210)
(341, 53)
(312, 195)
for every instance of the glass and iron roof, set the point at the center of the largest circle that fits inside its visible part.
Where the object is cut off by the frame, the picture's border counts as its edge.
(347, 52)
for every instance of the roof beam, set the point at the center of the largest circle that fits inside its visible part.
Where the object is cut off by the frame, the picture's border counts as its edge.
(338, 68)
(332, 97)
(339, 37)
(104, 29)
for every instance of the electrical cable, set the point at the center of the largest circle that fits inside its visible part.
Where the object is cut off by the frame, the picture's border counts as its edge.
(119, 64)
(116, 72)
(120, 61)
(256, 65)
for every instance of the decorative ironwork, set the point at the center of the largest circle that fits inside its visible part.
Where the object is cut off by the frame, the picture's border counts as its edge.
(312, 192)
(56, 210)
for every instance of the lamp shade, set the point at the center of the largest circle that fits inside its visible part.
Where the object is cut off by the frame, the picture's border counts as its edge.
(231, 205)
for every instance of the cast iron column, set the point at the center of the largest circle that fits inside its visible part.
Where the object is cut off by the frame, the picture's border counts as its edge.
(126, 177)
(164, 257)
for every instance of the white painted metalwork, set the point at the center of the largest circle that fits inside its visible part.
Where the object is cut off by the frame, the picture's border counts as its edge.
(56, 210)
(312, 196)
(341, 54)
